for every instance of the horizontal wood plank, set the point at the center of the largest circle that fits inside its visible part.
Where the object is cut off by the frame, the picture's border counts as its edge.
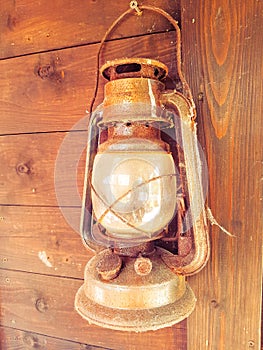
(28, 163)
(38, 239)
(27, 173)
(28, 27)
(15, 339)
(50, 91)
(38, 303)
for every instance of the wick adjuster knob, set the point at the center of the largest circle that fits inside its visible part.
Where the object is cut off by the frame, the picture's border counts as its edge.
(143, 266)
(109, 266)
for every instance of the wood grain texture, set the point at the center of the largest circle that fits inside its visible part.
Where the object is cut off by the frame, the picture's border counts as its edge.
(28, 27)
(44, 305)
(14, 339)
(50, 97)
(27, 172)
(50, 91)
(39, 240)
(28, 163)
(223, 63)
(42, 96)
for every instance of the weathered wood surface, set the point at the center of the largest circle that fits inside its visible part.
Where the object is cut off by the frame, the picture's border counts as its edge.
(29, 27)
(28, 163)
(14, 339)
(50, 91)
(223, 47)
(44, 305)
(39, 240)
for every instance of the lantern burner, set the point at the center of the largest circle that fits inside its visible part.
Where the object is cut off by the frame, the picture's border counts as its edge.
(138, 299)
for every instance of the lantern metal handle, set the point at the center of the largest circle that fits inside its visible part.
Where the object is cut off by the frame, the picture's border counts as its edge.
(182, 106)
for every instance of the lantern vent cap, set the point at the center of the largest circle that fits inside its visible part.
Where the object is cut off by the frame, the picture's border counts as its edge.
(134, 68)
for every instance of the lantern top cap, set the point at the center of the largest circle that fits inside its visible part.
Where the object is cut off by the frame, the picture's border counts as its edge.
(134, 68)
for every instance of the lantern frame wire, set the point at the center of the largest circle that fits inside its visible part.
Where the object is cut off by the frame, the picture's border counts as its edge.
(184, 103)
(185, 91)
(130, 191)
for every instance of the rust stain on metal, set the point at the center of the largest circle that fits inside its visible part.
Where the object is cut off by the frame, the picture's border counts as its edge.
(109, 266)
(144, 249)
(143, 266)
(149, 277)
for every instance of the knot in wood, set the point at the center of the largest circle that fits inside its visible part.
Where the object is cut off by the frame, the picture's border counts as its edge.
(50, 71)
(251, 344)
(45, 71)
(30, 340)
(143, 266)
(23, 168)
(214, 304)
(200, 96)
(41, 305)
(85, 347)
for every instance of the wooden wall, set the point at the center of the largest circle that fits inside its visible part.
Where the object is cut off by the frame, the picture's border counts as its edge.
(223, 62)
(47, 51)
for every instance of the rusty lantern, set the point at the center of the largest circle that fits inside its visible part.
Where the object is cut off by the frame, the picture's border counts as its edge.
(143, 203)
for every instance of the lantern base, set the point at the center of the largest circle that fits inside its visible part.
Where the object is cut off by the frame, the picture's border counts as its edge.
(134, 303)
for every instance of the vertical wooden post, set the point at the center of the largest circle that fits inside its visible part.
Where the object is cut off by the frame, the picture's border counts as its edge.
(222, 52)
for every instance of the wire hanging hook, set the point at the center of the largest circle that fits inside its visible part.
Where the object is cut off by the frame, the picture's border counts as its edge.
(134, 6)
